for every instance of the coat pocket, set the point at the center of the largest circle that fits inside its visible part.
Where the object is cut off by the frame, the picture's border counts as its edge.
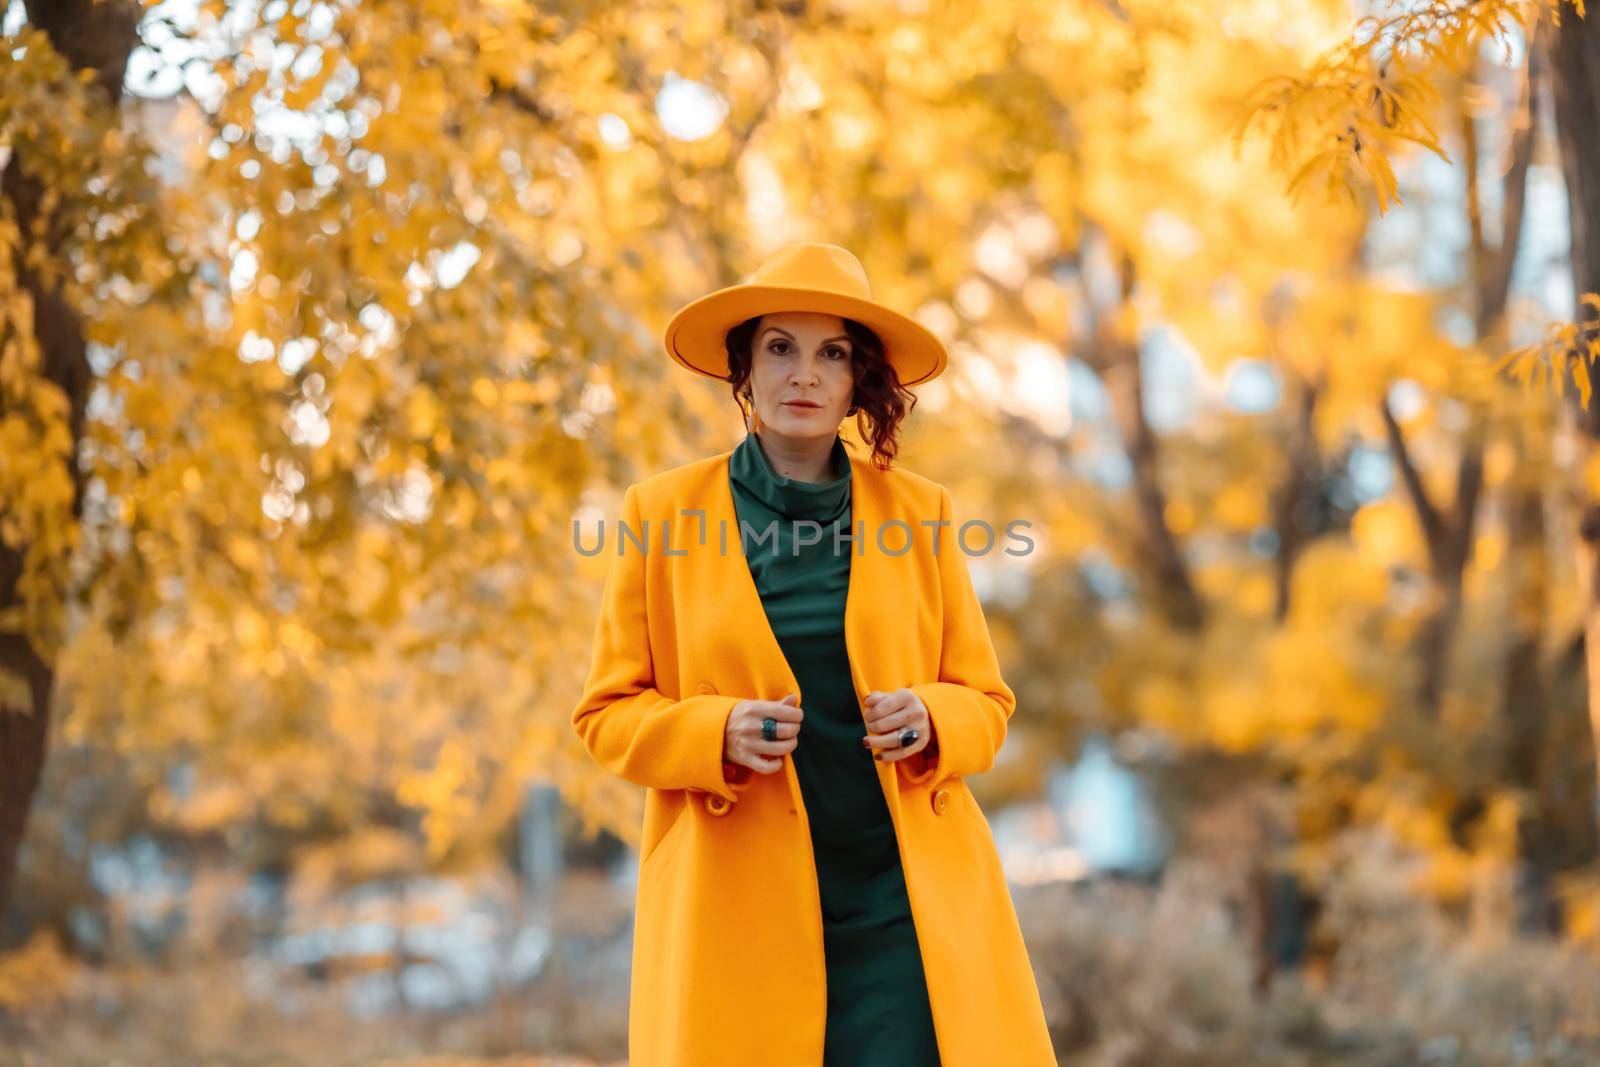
(969, 804)
(650, 868)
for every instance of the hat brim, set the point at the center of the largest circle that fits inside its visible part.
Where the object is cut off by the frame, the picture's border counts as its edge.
(696, 335)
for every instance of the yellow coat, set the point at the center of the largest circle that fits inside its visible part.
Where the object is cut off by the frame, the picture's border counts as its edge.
(727, 946)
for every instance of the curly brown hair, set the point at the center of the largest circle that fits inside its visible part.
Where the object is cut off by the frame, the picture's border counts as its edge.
(879, 397)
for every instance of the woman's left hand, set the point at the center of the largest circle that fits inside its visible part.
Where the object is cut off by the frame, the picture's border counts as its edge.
(889, 713)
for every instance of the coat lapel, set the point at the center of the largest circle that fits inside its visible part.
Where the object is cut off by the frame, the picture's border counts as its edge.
(771, 668)
(867, 632)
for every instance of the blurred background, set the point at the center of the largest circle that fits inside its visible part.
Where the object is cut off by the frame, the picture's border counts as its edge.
(326, 327)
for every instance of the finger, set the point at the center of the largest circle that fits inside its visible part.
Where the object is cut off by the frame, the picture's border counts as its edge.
(876, 743)
(890, 755)
(878, 704)
(889, 737)
(783, 730)
(900, 720)
(874, 739)
(894, 723)
(786, 710)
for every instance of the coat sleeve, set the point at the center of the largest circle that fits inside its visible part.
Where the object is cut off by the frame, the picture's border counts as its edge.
(631, 728)
(970, 704)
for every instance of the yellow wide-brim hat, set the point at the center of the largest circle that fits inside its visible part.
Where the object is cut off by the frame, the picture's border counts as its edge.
(802, 276)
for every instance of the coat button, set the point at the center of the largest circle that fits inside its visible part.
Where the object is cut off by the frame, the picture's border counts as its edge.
(717, 805)
(705, 688)
(941, 801)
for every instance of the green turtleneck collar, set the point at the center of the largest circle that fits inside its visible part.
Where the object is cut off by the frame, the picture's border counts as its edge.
(751, 470)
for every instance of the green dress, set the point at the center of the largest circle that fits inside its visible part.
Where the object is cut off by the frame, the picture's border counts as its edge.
(878, 1012)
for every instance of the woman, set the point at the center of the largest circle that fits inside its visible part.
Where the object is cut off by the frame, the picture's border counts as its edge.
(791, 659)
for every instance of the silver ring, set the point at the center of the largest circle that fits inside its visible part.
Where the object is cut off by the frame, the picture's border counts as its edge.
(908, 737)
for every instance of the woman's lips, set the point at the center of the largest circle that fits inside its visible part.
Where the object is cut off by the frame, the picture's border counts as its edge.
(802, 406)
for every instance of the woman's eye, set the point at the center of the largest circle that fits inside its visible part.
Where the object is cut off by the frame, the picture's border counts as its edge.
(832, 351)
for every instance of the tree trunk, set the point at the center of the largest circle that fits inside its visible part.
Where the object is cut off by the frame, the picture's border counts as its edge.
(1525, 697)
(1116, 359)
(96, 36)
(1175, 592)
(1291, 505)
(1575, 84)
(23, 734)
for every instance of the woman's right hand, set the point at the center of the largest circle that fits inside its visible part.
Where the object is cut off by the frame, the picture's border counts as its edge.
(742, 743)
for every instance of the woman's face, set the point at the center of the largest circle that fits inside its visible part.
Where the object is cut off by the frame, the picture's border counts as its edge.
(802, 356)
